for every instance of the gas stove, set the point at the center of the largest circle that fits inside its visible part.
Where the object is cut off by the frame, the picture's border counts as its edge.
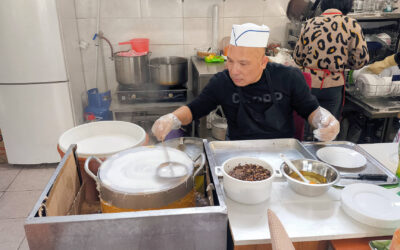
(150, 93)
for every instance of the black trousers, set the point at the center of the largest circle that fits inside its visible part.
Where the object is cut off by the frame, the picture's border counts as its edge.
(330, 98)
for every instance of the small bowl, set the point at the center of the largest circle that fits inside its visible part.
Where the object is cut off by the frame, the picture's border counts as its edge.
(330, 173)
(246, 192)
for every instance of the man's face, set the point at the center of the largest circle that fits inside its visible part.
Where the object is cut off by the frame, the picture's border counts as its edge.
(245, 65)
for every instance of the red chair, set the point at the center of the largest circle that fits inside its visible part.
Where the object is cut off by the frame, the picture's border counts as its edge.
(298, 120)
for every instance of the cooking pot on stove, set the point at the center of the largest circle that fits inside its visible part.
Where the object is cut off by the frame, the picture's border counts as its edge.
(132, 70)
(169, 71)
(128, 181)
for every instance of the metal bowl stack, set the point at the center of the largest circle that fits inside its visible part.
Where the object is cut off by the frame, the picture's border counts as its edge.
(330, 173)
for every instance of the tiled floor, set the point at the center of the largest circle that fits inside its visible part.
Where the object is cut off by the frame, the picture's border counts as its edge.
(20, 187)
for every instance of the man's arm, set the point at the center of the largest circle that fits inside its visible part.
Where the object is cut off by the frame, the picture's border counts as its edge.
(184, 115)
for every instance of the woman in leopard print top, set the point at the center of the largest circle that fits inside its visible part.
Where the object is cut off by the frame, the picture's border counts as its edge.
(328, 44)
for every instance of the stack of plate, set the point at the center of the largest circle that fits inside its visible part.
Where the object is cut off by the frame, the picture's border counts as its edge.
(372, 205)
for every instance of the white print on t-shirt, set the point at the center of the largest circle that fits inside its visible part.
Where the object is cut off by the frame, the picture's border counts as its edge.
(265, 98)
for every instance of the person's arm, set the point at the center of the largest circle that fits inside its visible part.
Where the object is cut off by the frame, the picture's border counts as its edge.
(358, 55)
(184, 115)
(389, 61)
(200, 106)
(325, 124)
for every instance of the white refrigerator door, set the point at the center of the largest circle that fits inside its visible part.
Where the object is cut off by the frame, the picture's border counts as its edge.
(30, 45)
(32, 118)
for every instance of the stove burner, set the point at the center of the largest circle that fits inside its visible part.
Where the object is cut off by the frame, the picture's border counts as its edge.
(149, 93)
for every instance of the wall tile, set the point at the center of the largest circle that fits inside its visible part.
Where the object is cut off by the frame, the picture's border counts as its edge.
(159, 31)
(86, 8)
(164, 31)
(228, 22)
(275, 8)
(197, 31)
(240, 8)
(122, 29)
(278, 28)
(86, 30)
(196, 8)
(166, 50)
(88, 60)
(161, 8)
(189, 49)
(110, 66)
(120, 8)
(66, 9)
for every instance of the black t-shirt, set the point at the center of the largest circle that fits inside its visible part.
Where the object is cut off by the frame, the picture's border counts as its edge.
(287, 82)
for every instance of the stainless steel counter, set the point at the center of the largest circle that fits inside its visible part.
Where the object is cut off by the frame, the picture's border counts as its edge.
(375, 108)
(202, 72)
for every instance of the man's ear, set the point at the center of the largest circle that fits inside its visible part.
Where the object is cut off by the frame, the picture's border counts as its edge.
(264, 62)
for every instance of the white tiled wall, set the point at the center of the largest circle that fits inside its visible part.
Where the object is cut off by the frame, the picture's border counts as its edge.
(174, 27)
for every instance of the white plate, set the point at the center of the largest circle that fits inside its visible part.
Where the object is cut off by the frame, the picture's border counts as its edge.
(372, 205)
(341, 157)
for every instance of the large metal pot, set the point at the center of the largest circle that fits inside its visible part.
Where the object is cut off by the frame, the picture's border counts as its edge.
(128, 181)
(169, 71)
(132, 70)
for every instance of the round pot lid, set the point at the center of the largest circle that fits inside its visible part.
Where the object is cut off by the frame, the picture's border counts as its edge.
(135, 170)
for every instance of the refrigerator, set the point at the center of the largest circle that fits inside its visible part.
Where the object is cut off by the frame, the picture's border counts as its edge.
(35, 100)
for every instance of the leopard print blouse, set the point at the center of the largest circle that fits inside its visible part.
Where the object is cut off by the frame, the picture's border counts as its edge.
(328, 44)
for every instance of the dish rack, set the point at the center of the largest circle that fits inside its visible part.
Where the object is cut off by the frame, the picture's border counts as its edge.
(369, 85)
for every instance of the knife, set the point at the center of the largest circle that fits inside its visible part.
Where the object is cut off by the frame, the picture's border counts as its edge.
(375, 177)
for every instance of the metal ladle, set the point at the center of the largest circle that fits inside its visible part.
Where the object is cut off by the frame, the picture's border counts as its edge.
(293, 167)
(171, 169)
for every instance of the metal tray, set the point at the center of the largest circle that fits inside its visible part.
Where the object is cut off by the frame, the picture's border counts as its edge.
(268, 150)
(372, 167)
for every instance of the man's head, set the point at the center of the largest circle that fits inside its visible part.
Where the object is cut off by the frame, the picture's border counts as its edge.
(246, 64)
(246, 53)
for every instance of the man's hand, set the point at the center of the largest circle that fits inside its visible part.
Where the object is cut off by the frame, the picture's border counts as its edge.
(327, 127)
(378, 67)
(164, 125)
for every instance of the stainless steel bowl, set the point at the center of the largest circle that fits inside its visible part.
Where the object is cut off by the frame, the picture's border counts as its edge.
(330, 173)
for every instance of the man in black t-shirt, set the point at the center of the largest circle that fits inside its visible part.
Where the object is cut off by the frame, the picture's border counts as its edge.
(257, 97)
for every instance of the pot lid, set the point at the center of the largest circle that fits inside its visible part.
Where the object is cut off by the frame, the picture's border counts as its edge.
(135, 170)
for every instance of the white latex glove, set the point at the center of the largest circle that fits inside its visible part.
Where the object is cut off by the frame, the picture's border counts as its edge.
(164, 125)
(327, 127)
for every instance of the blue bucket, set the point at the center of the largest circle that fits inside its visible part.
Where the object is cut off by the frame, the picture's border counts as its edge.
(99, 100)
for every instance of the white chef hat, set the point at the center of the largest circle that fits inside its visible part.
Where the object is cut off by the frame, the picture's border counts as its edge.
(250, 35)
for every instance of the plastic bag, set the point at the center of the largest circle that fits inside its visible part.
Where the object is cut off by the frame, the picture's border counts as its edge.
(283, 57)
